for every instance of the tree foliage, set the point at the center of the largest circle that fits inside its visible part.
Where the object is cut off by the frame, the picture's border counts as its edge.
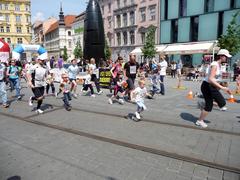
(107, 50)
(149, 50)
(65, 55)
(78, 52)
(231, 40)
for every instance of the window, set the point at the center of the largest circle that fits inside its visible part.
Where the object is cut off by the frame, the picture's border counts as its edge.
(209, 5)
(166, 10)
(109, 21)
(194, 28)
(17, 7)
(143, 37)
(69, 33)
(7, 29)
(118, 3)
(28, 19)
(132, 18)
(125, 2)
(27, 8)
(7, 17)
(125, 38)
(220, 24)
(125, 22)
(1, 6)
(110, 40)
(6, 6)
(2, 29)
(9, 40)
(233, 4)
(19, 30)
(19, 40)
(18, 18)
(174, 31)
(118, 39)
(183, 8)
(109, 7)
(28, 30)
(132, 2)
(132, 37)
(143, 14)
(69, 44)
(102, 9)
(118, 21)
(152, 13)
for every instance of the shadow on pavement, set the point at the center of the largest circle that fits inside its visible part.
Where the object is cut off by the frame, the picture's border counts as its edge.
(189, 117)
(14, 178)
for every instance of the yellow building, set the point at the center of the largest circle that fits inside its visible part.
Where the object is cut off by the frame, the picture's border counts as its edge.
(15, 21)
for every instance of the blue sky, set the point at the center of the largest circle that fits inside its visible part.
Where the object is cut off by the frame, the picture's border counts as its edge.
(42, 9)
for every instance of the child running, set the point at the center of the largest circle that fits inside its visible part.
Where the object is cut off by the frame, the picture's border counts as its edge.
(140, 93)
(88, 83)
(64, 87)
(118, 87)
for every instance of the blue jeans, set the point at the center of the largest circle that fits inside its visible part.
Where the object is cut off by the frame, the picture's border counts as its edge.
(67, 98)
(162, 89)
(3, 92)
(15, 83)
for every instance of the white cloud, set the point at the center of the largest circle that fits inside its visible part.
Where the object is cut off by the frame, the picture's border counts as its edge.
(38, 17)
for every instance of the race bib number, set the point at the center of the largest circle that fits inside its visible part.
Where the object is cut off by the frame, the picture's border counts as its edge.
(133, 69)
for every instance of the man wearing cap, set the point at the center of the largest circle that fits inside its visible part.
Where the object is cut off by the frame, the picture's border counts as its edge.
(36, 76)
(3, 92)
(211, 86)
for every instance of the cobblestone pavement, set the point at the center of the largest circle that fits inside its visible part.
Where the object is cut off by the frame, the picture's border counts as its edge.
(35, 152)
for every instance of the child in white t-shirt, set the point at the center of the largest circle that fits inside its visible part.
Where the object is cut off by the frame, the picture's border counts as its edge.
(140, 93)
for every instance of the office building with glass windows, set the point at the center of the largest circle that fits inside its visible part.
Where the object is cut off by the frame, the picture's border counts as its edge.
(194, 22)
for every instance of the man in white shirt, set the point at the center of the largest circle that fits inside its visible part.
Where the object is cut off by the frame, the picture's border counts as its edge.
(163, 67)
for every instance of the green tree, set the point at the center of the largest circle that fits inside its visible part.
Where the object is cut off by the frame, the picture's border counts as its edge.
(231, 40)
(107, 50)
(149, 50)
(65, 55)
(78, 52)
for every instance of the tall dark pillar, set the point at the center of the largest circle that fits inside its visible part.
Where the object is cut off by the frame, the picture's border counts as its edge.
(94, 40)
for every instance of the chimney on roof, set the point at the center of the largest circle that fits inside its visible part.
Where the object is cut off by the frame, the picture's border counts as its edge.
(61, 16)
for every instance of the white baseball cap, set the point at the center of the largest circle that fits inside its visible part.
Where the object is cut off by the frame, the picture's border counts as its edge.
(224, 52)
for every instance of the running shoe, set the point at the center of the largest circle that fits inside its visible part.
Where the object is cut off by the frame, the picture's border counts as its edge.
(6, 105)
(19, 97)
(110, 101)
(121, 101)
(93, 95)
(201, 123)
(100, 92)
(223, 108)
(137, 115)
(74, 95)
(39, 111)
(30, 102)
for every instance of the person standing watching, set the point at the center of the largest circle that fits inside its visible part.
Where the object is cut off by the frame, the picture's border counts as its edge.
(3, 92)
(211, 85)
(130, 72)
(36, 76)
(163, 67)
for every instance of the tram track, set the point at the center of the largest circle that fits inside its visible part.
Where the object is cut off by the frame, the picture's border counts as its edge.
(127, 144)
(212, 130)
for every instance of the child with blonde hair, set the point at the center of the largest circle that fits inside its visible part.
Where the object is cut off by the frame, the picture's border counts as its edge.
(140, 93)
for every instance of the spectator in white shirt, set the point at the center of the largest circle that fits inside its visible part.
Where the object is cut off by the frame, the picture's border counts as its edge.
(163, 67)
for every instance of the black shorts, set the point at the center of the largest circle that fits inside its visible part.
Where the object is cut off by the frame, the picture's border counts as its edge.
(130, 82)
(38, 91)
(71, 80)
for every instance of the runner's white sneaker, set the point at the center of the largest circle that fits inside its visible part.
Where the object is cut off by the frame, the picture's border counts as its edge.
(39, 111)
(201, 123)
(93, 95)
(137, 115)
(223, 108)
(30, 102)
(110, 101)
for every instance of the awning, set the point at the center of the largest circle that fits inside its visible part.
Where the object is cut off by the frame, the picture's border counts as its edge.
(190, 48)
(160, 48)
(137, 51)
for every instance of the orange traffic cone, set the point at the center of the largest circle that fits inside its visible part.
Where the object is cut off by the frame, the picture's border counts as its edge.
(232, 99)
(190, 94)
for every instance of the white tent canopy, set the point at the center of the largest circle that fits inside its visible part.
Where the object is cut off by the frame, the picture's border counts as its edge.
(190, 48)
(184, 48)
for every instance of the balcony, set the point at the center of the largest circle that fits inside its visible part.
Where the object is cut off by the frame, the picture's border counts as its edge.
(125, 8)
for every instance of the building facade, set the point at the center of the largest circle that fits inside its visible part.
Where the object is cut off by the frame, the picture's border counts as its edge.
(188, 21)
(78, 29)
(15, 21)
(126, 23)
(59, 36)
